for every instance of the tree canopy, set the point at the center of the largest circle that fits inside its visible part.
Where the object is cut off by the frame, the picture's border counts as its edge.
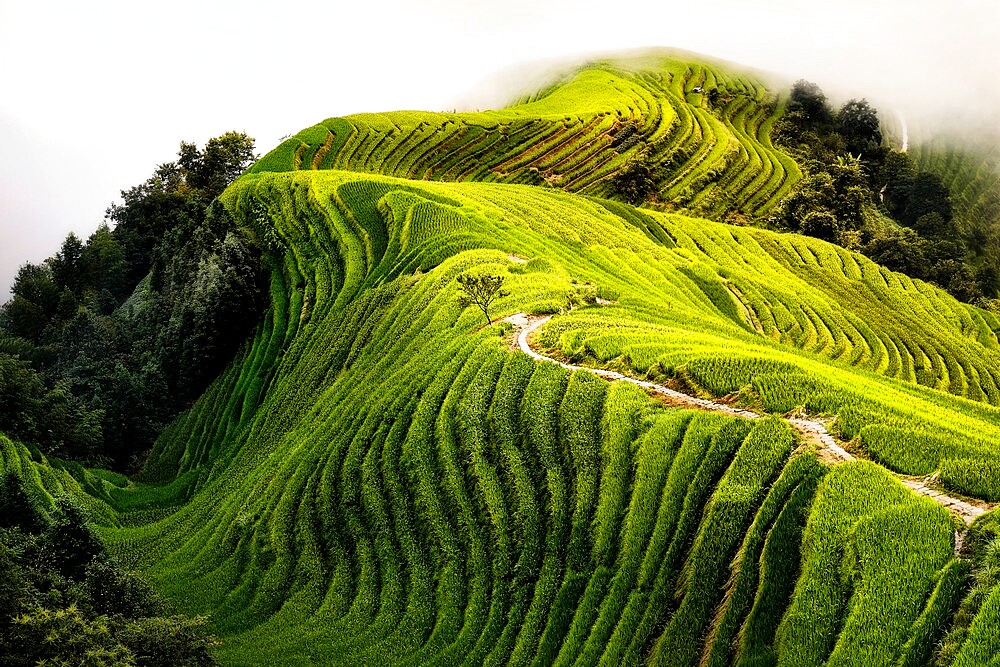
(858, 192)
(809, 101)
(858, 123)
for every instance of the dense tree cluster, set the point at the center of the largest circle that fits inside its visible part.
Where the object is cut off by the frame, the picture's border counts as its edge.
(103, 342)
(864, 196)
(64, 601)
(830, 203)
(636, 183)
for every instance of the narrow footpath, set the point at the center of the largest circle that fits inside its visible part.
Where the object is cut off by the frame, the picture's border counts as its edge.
(811, 429)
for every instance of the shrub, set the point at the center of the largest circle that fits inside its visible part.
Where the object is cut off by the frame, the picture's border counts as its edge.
(174, 641)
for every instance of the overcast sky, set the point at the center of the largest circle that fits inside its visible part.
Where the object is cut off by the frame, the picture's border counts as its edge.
(93, 95)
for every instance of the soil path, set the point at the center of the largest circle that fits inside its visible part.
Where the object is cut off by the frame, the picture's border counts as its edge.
(811, 429)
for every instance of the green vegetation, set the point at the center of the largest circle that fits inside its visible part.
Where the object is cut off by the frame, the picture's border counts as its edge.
(103, 343)
(865, 196)
(434, 477)
(376, 476)
(975, 476)
(65, 601)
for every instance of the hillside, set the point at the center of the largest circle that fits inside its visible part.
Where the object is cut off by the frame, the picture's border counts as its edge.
(380, 477)
(704, 132)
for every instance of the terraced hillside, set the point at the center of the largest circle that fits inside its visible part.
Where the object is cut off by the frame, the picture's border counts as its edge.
(381, 478)
(705, 128)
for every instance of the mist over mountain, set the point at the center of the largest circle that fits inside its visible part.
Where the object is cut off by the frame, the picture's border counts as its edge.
(110, 72)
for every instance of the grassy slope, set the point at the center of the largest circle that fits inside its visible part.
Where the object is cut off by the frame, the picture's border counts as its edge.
(380, 478)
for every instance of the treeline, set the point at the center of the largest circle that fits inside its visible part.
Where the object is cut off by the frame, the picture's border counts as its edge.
(867, 197)
(65, 601)
(105, 341)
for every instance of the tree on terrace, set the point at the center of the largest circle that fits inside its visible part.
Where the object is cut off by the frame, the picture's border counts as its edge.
(224, 158)
(481, 290)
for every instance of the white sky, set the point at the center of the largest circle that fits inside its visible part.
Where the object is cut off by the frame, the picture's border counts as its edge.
(93, 95)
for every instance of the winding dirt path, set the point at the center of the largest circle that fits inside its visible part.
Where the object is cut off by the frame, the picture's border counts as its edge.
(812, 430)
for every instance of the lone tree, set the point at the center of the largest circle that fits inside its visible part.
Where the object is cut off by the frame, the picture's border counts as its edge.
(481, 290)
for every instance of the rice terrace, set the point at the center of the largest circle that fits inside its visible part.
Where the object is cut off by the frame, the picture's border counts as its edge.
(668, 362)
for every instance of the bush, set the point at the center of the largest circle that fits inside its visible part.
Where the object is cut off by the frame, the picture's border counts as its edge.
(175, 641)
(68, 542)
(113, 591)
(63, 601)
(65, 637)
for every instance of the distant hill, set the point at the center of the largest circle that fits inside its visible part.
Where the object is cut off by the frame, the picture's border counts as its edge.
(971, 170)
(703, 132)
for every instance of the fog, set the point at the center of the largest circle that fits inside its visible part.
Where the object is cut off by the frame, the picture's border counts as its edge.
(94, 95)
